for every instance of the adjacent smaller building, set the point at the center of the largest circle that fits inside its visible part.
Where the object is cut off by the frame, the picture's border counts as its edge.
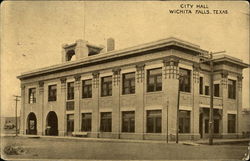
(9, 123)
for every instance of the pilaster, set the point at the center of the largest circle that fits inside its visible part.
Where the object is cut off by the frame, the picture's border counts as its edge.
(40, 113)
(139, 109)
(95, 109)
(62, 99)
(116, 103)
(224, 88)
(171, 83)
(195, 113)
(77, 120)
(239, 128)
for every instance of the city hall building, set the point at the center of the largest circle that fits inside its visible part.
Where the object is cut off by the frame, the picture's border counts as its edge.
(133, 93)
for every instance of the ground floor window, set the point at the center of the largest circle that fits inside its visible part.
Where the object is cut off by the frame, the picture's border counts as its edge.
(106, 122)
(216, 126)
(128, 121)
(86, 121)
(231, 123)
(70, 122)
(154, 121)
(184, 121)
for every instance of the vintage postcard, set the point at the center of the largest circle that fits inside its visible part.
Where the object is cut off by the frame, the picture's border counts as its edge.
(125, 80)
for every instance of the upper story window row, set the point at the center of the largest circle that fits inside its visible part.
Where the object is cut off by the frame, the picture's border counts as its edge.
(153, 84)
(217, 88)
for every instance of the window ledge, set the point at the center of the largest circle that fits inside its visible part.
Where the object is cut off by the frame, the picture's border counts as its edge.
(218, 97)
(87, 98)
(52, 101)
(127, 95)
(188, 93)
(103, 97)
(105, 132)
(209, 97)
(154, 92)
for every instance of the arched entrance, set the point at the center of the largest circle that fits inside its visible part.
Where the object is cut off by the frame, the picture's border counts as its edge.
(31, 124)
(52, 124)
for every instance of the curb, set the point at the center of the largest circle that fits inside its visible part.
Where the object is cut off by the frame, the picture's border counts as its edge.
(191, 143)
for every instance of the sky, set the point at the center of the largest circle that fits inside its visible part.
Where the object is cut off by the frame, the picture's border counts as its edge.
(32, 32)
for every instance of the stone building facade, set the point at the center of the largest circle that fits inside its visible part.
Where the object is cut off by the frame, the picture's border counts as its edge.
(132, 93)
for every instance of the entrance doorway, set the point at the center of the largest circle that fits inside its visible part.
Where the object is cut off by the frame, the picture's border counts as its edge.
(70, 124)
(201, 125)
(52, 124)
(31, 124)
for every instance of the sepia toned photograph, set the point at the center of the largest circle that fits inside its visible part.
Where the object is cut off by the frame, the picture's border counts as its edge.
(125, 80)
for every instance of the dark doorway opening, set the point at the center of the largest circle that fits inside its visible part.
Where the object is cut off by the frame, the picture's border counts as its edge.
(70, 124)
(201, 125)
(31, 124)
(52, 124)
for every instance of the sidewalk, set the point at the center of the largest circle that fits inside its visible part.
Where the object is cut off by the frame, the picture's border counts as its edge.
(223, 141)
(186, 142)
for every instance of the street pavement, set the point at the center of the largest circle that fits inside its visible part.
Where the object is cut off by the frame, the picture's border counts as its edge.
(46, 147)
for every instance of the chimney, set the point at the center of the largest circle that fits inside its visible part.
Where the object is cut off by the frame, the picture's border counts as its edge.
(110, 44)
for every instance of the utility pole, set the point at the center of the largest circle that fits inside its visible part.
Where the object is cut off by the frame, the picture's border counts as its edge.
(16, 99)
(211, 118)
(211, 115)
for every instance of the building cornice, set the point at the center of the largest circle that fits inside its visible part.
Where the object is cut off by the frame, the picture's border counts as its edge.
(136, 50)
(231, 60)
(132, 51)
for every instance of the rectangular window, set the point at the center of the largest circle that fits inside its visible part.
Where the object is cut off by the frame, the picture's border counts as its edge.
(154, 121)
(231, 89)
(106, 86)
(201, 85)
(128, 83)
(231, 123)
(184, 121)
(106, 122)
(70, 91)
(86, 121)
(207, 90)
(32, 95)
(87, 88)
(185, 80)
(128, 121)
(217, 90)
(52, 93)
(154, 80)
